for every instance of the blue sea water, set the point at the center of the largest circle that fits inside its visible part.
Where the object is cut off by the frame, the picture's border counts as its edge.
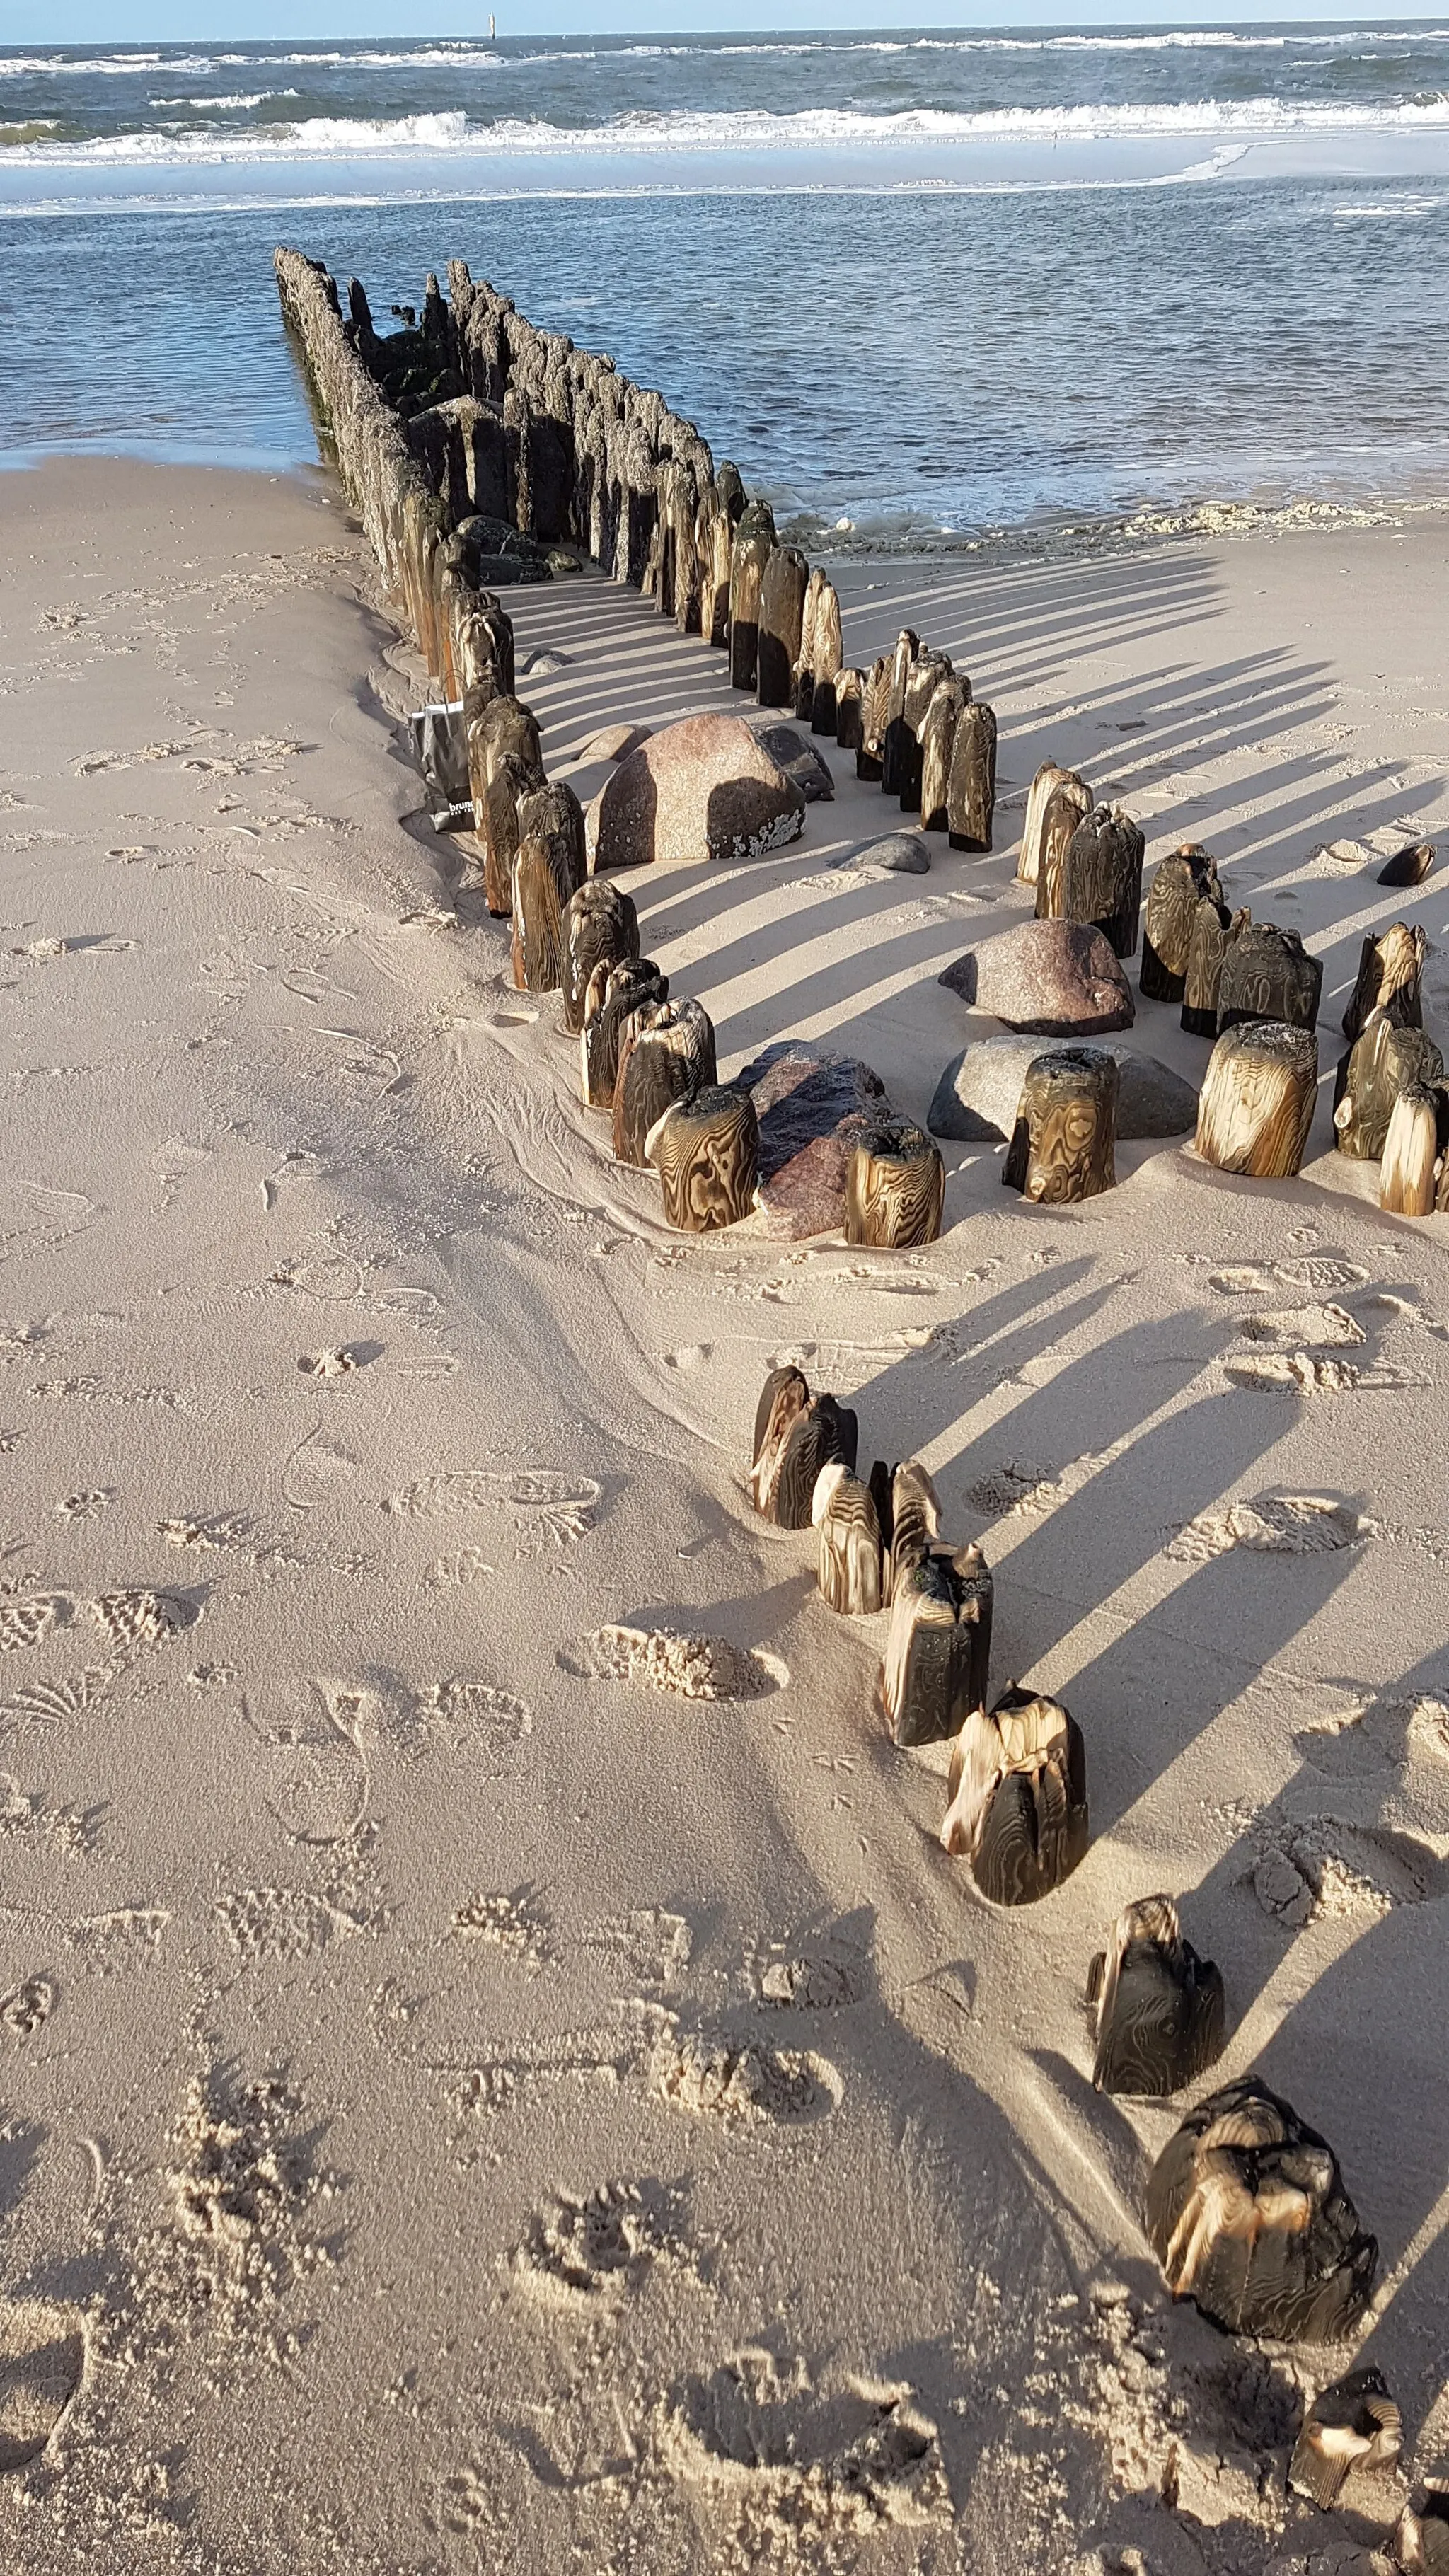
(917, 283)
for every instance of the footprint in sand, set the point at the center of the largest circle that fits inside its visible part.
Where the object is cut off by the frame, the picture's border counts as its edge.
(284, 1922)
(39, 1706)
(42, 2365)
(1305, 1373)
(689, 1666)
(513, 1923)
(550, 1504)
(741, 2083)
(597, 2250)
(808, 1976)
(649, 1948)
(143, 1617)
(777, 2451)
(27, 2008)
(1272, 1525)
(1327, 1327)
(1320, 1271)
(1241, 1279)
(27, 1617)
(1313, 1868)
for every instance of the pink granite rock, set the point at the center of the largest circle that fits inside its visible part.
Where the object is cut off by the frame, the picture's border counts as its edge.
(1052, 979)
(705, 789)
(811, 1107)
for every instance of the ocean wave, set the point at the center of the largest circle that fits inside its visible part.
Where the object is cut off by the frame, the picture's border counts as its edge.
(451, 131)
(256, 98)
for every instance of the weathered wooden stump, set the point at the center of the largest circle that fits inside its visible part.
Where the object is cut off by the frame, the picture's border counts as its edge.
(1248, 2215)
(1268, 975)
(546, 874)
(782, 607)
(1178, 887)
(894, 1187)
(1062, 1148)
(511, 782)
(1158, 2010)
(754, 544)
(908, 1511)
(849, 1562)
(1049, 778)
(803, 675)
(666, 1054)
(849, 692)
(553, 813)
(1408, 867)
(1101, 877)
(1389, 970)
(874, 712)
(938, 1649)
(797, 1435)
(1017, 1796)
(938, 734)
(1257, 1098)
(1213, 932)
(719, 564)
(1385, 1059)
(971, 787)
(902, 662)
(922, 681)
(1354, 2427)
(1414, 1169)
(613, 993)
(601, 928)
(1067, 806)
(829, 655)
(706, 1156)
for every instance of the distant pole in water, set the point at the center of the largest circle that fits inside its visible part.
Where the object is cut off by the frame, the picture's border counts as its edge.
(492, 29)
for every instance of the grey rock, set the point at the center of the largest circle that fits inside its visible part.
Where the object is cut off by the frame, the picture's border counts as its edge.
(811, 1108)
(977, 1096)
(1054, 979)
(905, 852)
(542, 665)
(799, 760)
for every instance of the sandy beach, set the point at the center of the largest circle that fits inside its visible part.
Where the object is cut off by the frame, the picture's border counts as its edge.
(461, 2108)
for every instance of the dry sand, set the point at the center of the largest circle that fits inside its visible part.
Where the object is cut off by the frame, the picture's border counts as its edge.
(464, 2102)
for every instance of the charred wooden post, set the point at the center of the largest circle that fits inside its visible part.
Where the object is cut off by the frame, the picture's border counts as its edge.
(1257, 1100)
(895, 1187)
(1352, 2425)
(1269, 975)
(1158, 2010)
(949, 698)
(1067, 806)
(1412, 1174)
(1049, 777)
(804, 671)
(601, 928)
(849, 1562)
(849, 702)
(1101, 877)
(613, 993)
(797, 1435)
(874, 716)
(782, 608)
(908, 1510)
(1389, 970)
(666, 1054)
(1179, 885)
(1062, 1148)
(707, 1156)
(1248, 2215)
(543, 880)
(1385, 1060)
(908, 645)
(754, 544)
(512, 779)
(828, 658)
(938, 1648)
(1213, 933)
(922, 679)
(971, 787)
(1017, 1796)
(1408, 867)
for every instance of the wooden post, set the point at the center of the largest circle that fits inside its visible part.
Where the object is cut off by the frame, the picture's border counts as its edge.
(1158, 2010)
(895, 1185)
(1068, 805)
(706, 1154)
(908, 645)
(1017, 1796)
(512, 779)
(1179, 885)
(601, 927)
(938, 734)
(782, 607)
(1062, 1147)
(666, 1053)
(874, 713)
(1269, 975)
(547, 872)
(721, 558)
(1101, 877)
(1389, 969)
(908, 1509)
(849, 691)
(1412, 1173)
(753, 546)
(1049, 777)
(849, 1562)
(804, 671)
(613, 992)
(829, 655)
(971, 787)
(1408, 867)
(1213, 932)
(797, 1434)
(938, 1650)
(1257, 1098)
(1385, 1059)
(925, 674)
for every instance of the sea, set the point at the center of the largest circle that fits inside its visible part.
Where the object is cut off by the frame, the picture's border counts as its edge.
(924, 287)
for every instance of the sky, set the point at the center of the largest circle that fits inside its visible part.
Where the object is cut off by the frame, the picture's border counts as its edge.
(90, 22)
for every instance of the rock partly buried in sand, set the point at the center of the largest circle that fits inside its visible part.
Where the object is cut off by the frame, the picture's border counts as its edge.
(905, 853)
(1055, 979)
(705, 789)
(1249, 2218)
(978, 1094)
(812, 1108)
(799, 760)
(613, 742)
